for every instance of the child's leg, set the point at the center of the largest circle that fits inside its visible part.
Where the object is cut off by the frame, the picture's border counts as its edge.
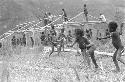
(59, 48)
(115, 61)
(86, 57)
(91, 53)
(119, 53)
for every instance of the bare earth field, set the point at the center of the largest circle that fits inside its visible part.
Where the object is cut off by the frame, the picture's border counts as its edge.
(34, 65)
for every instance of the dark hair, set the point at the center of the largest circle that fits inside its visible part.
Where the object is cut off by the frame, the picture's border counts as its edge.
(84, 5)
(62, 30)
(14, 37)
(63, 9)
(112, 26)
(52, 26)
(69, 31)
(42, 32)
(79, 32)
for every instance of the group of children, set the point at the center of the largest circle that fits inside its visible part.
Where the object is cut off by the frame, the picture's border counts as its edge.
(87, 46)
(18, 41)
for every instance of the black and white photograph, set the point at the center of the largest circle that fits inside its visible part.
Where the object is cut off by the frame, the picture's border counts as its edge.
(62, 40)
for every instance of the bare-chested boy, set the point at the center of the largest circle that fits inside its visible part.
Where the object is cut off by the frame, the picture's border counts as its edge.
(116, 41)
(84, 44)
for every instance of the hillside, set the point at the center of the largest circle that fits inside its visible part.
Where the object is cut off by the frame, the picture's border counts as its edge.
(14, 12)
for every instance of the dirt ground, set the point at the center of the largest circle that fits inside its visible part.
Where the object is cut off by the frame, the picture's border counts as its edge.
(34, 65)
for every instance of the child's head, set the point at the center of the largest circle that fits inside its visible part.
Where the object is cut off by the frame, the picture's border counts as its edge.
(14, 37)
(52, 26)
(42, 32)
(79, 33)
(69, 31)
(63, 10)
(84, 5)
(87, 31)
(112, 26)
(62, 30)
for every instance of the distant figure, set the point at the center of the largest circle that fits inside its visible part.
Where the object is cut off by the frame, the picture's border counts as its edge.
(64, 15)
(32, 41)
(90, 31)
(50, 17)
(62, 38)
(117, 43)
(52, 31)
(102, 18)
(88, 34)
(43, 37)
(107, 33)
(24, 40)
(13, 41)
(45, 18)
(85, 12)
(0, 45)
(121, 28)
(17, 41)
(69, 36)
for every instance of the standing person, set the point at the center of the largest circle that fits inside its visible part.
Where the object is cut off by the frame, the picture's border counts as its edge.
(107, 33)
(86, 12)
(0, 45)
(116, 41)
(90, 31)
(102, 18)
(32, 41)
(50, 17)
(88, 34)
(121, 28)
(64, 15)
(43, 37)
(13, 41)
(84, 44)
(45, 18)
(69, 36)
(24, 40)
(62, 38)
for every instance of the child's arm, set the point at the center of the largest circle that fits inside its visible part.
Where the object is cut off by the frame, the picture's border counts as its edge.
(105, 37)
(72, 44)
(89, 45)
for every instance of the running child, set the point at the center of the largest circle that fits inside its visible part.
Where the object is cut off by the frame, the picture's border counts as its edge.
(116, 41)
(84, 44)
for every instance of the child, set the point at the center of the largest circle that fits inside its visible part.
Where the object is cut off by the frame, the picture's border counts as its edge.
(85, 12)
(84, 44)
(45, 19)
(13, 41)
(69, 37)
(32, 41)
(90, 30)
(116, 41)
(102, 18)
(65, 15)
(24, 40)
(88, 34)
(42, 37)
(0, 45)
(107, 33)
(61, 38)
